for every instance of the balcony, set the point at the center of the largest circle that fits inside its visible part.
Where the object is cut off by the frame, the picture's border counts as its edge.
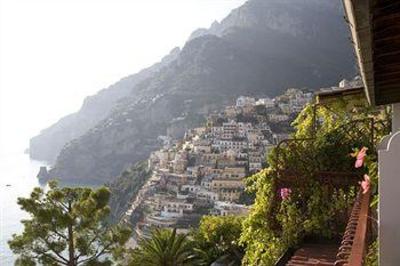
(348, 246)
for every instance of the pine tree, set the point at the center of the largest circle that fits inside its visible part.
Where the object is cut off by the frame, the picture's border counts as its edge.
(68, 226)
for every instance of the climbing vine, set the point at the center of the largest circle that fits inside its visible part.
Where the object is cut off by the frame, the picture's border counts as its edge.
(291, 201)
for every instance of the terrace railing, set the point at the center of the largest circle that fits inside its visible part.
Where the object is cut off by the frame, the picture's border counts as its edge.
(365, 131)
(354, 244)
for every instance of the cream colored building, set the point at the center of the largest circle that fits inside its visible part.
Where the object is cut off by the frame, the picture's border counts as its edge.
(217, 184)
(234, 173)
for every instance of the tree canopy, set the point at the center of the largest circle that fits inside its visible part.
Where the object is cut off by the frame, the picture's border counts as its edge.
(164, 248)
(217, 240)
(68, 226)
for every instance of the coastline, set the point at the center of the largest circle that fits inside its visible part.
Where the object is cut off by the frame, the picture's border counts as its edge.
(18, 177)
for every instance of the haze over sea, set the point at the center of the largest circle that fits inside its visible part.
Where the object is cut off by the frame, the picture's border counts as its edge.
(17, 178)
(46, 69)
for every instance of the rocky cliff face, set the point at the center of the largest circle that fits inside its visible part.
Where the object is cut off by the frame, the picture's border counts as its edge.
(302, 18)
(261, 48)
(125, 188)
(48, 144)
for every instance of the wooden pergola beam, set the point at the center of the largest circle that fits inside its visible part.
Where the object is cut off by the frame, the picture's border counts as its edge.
(375, 30)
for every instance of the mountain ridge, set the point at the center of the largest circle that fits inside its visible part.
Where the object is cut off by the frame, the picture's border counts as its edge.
(47, 145)
(238, 56)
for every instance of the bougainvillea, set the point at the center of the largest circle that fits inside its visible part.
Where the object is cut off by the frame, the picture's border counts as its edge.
(285, 193)
(361, 157)
(368, 162)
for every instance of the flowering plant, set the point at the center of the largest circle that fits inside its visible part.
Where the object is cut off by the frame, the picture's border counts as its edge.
(307, 207)
(285, 193)
(361, 156)
(365, 184)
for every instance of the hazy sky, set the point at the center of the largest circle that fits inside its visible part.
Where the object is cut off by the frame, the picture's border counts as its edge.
(53, 53)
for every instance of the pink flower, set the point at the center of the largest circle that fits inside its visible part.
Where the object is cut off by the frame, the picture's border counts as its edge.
(361, 157)
(285, 193)
(365, 184)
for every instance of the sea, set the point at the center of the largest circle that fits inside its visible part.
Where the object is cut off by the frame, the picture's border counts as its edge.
(17, 179)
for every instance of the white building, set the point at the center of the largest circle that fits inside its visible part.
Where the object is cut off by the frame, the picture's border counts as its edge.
(267, 102)
(244, 101)
(222, 208)
(278, 117)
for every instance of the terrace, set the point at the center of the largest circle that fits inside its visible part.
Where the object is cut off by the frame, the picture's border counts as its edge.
(375, 30)
(376, 36)
(305, 163)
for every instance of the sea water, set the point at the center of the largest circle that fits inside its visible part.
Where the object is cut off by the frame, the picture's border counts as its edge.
(17, 179)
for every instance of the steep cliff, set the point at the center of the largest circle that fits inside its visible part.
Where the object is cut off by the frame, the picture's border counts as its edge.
(125, 188)
(261, 48)
(48, 144)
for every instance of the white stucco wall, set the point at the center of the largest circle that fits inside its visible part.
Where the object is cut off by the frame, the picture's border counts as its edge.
(389, 195)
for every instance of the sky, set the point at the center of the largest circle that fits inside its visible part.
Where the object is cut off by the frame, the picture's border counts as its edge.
(53, 53)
